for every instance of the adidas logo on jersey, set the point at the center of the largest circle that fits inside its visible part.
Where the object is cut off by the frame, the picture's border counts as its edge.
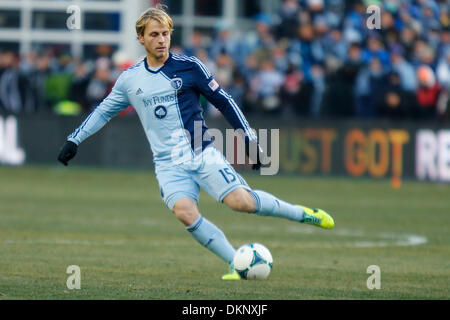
(139, 91)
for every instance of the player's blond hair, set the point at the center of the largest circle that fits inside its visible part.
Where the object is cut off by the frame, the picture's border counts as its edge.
(157, 13)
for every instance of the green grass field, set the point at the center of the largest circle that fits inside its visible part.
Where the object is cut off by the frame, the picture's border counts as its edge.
(114, 226)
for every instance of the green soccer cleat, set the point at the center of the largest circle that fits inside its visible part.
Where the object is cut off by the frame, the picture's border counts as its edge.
(317, 217)
(233, 275)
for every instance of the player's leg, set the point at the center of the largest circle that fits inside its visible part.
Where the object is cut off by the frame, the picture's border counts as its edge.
(203, 230)
(180, 194)
(264, 204)
(220, 180)
(240, 200)
(185, 210)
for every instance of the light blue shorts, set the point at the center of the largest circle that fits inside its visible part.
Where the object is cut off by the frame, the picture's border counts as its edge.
(208, 170)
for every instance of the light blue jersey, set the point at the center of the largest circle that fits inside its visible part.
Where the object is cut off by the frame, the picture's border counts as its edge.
(167, 103)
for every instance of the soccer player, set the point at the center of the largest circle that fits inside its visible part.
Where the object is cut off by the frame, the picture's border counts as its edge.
(164, 89)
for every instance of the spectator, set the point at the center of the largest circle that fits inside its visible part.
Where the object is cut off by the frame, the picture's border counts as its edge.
(296, 93)
(79, 86)
(369, 84)
(315, 6)
(266, 86)
(224, 69)
(307, 48)
(354, 19)
(375, 49)
(262, 39)
(100, 84)
(427, 93)
(404, 69)
(251, 67)
(238, 89)
(225, 43)
(334, 13)
(354, 55)
(389, 31)
(336, 45)
(13, 86)
(197, 43)
(443, 70)
(395, 102)
(408, 38)
(38, 74)
(338, 98)
(288, 19)
(279, 57)
(444, 44)
(203, 55)
(317, 76)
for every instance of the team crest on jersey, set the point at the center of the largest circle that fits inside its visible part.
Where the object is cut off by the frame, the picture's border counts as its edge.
(176, 83)
(160, 112)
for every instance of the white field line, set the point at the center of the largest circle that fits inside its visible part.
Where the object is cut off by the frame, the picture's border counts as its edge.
(381, 240)
(65, 242)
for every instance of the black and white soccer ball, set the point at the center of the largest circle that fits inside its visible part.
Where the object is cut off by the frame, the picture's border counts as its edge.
(253, 261)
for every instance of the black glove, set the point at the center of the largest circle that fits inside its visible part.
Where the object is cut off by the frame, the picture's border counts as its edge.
(257, 165)
(67, 152)
(255, 148)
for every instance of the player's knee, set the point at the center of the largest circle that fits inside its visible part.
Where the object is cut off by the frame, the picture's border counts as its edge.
(242, 205)
(240, 200)
(186, 211)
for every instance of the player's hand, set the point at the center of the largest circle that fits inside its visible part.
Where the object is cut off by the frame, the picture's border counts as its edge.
(257, 165)
(67, 152)
(254, 152)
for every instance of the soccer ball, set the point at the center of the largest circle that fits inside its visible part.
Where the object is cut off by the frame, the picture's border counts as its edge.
(253, 261)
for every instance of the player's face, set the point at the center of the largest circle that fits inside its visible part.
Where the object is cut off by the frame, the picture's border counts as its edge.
(156, 40)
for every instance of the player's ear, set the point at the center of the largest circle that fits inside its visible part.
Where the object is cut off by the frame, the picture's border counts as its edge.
(141, 38)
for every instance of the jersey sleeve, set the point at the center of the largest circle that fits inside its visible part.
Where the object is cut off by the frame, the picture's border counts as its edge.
(113, 104)
(208, 86)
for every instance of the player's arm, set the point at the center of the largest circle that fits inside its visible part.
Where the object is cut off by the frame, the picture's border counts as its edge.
(209, 87)
(114, 103)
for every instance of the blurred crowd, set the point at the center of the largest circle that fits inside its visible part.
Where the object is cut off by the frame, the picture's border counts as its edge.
(51, 80)
(313, 58)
